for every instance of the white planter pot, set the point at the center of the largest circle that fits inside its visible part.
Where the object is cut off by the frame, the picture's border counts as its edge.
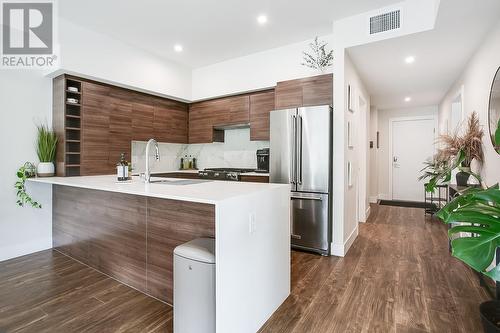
(45, 169)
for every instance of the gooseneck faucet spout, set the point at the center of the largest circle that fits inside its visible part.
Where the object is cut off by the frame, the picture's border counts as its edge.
(147, 172)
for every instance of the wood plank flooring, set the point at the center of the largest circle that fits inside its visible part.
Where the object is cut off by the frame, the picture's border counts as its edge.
(397, 277)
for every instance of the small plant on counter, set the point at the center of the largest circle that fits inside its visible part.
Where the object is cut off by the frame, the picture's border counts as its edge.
(28, 170)
(46, 145)
(46, 148)
(320, 58)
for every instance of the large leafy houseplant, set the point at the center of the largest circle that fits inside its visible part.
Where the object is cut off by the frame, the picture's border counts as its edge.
(475, 234)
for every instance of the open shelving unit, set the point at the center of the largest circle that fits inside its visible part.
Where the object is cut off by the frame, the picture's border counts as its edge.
(67, 123)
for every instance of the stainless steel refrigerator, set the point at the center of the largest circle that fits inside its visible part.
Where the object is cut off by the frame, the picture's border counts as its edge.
(301, 155)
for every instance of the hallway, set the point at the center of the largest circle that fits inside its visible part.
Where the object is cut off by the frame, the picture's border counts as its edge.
(397, 277)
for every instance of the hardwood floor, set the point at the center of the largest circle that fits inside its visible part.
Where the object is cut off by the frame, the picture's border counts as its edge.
(49, 292)
(397, 277)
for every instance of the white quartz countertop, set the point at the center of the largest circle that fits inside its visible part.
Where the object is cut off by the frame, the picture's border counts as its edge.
(203, 191)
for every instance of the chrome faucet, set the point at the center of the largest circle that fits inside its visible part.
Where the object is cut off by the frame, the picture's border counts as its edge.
(147, 172)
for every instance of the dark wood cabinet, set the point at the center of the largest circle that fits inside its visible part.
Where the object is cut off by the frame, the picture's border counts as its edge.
(95, 132)
(130, 238)
(200, 122)
(261, 104)
(95, 129)
(170, 121)
(143, 119)
(109, 119)
(310, 91)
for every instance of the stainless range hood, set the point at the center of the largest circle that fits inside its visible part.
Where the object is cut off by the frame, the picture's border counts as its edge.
(231, 126)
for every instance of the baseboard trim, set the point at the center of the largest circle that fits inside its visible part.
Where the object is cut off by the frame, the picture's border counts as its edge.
(373, 199)
(340, 250)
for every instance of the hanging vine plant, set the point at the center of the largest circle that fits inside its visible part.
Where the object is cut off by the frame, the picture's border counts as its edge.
(28, 170)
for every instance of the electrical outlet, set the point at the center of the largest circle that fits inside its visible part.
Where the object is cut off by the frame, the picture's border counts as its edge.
(251, 223)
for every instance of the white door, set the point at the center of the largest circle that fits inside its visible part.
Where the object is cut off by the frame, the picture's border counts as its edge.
(412, 143)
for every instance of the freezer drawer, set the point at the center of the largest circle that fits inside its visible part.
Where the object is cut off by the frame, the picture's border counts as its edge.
(310, 221)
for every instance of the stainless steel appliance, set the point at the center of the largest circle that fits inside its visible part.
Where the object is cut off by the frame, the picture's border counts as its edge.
(223, 173)
(263, 160)
(301, 155)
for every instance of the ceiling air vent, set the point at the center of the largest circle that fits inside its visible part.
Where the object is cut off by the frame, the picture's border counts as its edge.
(385, 22)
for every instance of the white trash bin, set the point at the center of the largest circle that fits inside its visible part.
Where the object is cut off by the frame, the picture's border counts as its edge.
(194, 286)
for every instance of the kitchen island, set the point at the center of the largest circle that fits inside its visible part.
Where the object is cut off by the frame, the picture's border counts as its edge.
(128, 230)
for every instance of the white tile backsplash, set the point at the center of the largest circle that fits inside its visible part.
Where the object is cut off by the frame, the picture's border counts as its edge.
(237, 151)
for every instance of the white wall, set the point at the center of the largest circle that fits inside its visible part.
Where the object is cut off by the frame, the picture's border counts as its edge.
(94, 55)
(383, 152)
(476, 80)
(346, 226)
(252, 72)
(25, 100)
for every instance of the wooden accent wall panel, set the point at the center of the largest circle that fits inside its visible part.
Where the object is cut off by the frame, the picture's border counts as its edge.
(310, 91)
(130, 238)
(171, 223)
(261, 104)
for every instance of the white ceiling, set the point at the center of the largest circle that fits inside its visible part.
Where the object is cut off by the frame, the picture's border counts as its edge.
(211, 30)
(441, 55)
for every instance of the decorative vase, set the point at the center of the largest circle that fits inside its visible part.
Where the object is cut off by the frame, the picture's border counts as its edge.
(490, 316)
(463, 176)
(45, 169)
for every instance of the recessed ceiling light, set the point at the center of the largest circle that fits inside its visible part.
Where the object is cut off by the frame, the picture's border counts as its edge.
(262, 19)
(408, 99)
(410, 59)
(178, 48)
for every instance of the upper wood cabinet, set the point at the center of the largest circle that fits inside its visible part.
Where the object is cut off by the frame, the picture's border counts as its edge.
(112, 117)
(205, 115)
(170, 121)
(261, 104)
(310, 91)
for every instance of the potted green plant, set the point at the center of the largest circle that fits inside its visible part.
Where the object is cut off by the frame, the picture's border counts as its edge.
(475, 236)
(469, 144)
(46, 147)
(320, 59)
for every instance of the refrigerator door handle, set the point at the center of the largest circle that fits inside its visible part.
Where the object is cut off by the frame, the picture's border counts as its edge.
(299, 150)
(293, 152)
(318, 198)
